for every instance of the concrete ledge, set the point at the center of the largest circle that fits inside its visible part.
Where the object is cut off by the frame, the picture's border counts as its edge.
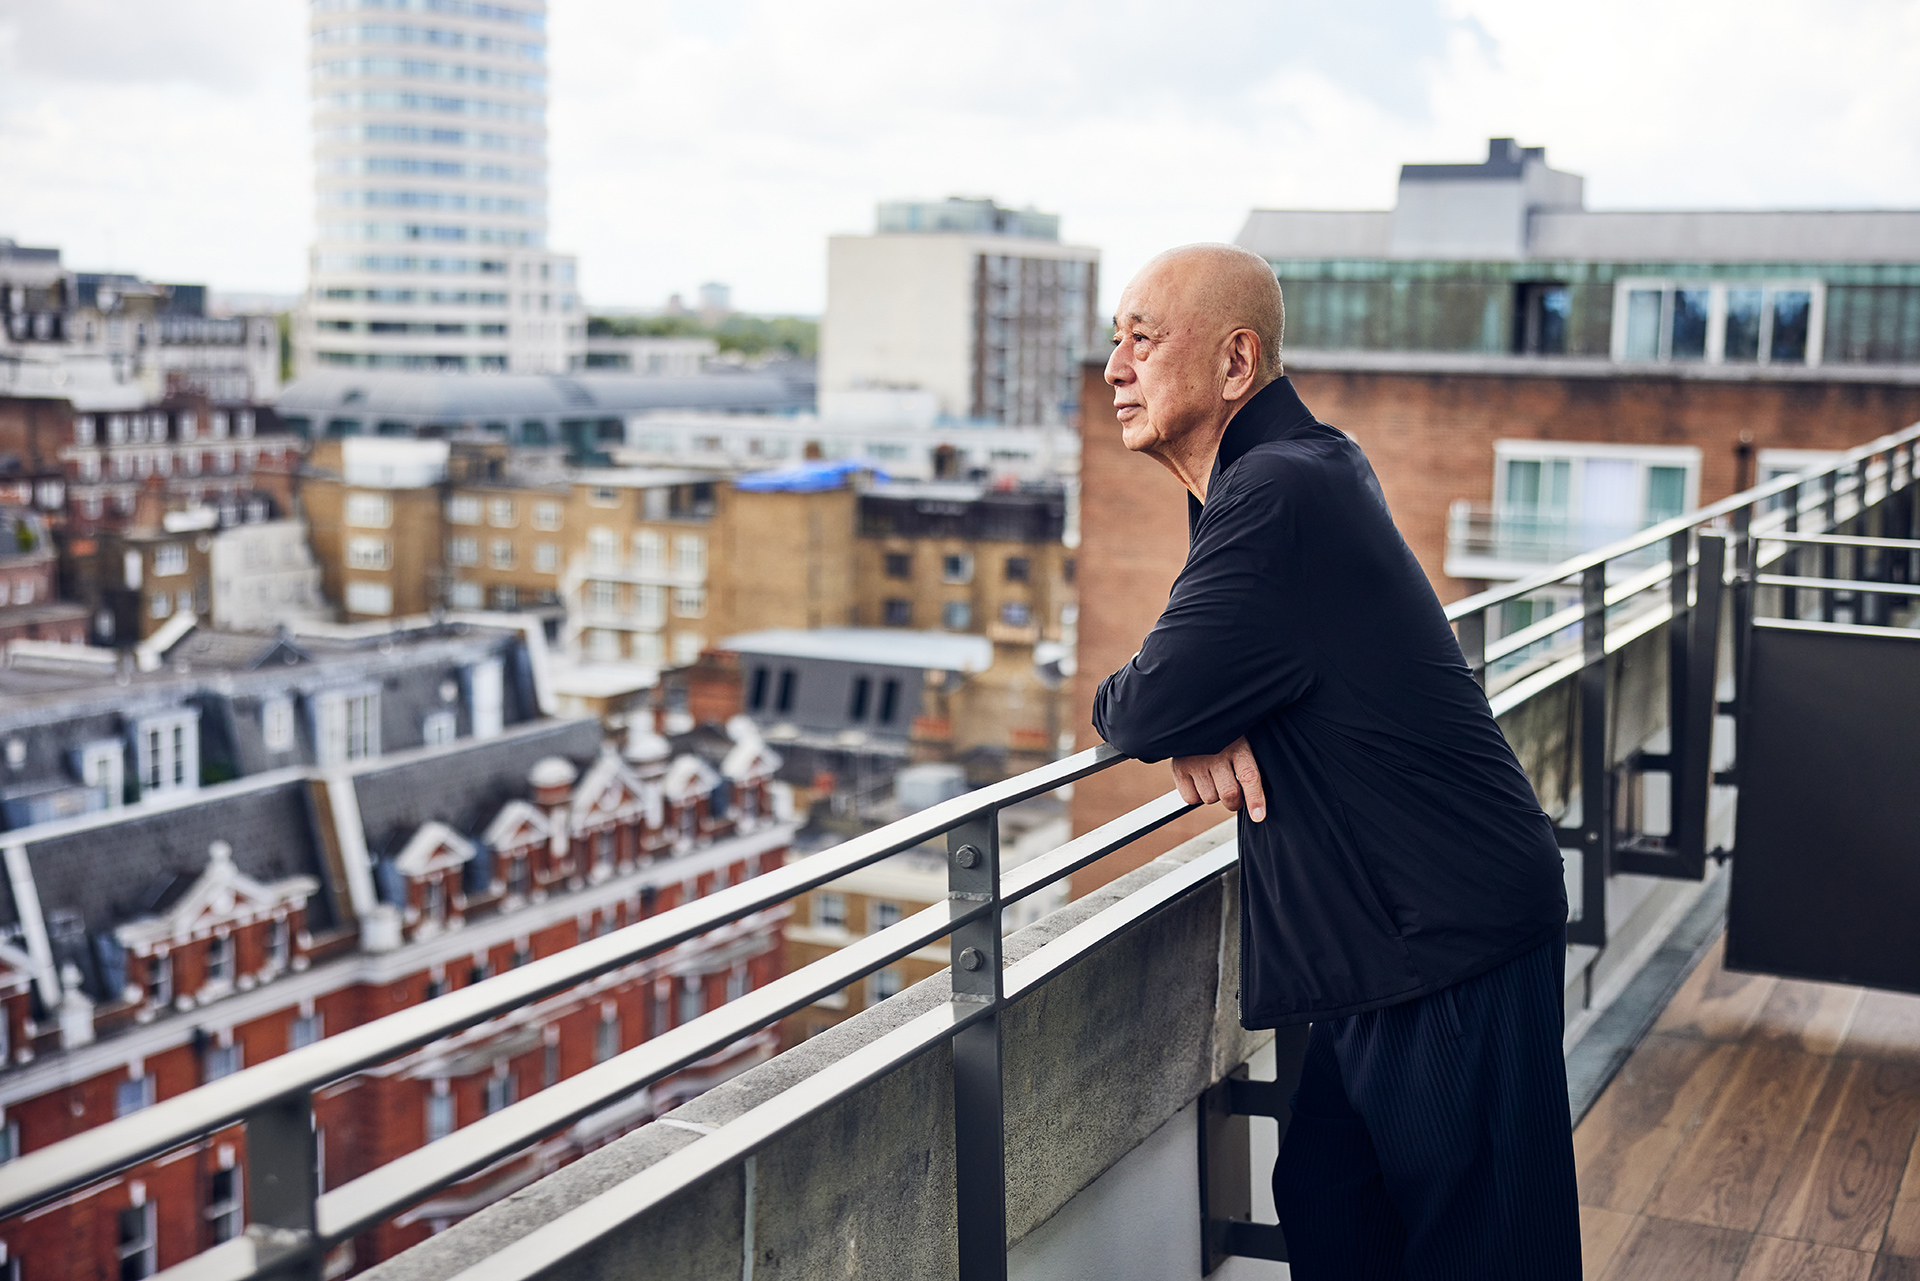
(1096, 1062)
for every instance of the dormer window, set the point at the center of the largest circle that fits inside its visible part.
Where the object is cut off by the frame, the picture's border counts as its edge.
(219, 960)
(167, 752)
(279, 944)
(160, 980)
(436, 908)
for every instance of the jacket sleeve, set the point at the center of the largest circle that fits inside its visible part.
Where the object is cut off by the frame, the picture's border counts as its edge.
(1229, 649)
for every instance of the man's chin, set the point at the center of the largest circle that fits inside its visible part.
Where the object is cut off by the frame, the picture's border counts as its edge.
(1138, 435)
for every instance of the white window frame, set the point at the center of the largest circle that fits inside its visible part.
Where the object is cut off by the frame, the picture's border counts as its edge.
(346, 725)
(166, 752)
(365, 551)
(103, 764)
(603, 549)
(227, 1058)
(690, 602)
(650, 605)
(463, 509)
(437, 729)
(463, 551)
(276, 724)
(546, 558)
(133, 1094)
(501, 513)
(964, 574)
(365, 597)
(546, 515)
(142, 1256)
(689, 556)
(306, 1029)
(466, 595)
(829, 910)
(1717, 317)
(225, 1216)
(486, 698)
(649, 552)
(501, 553)
(369, 511)
(169, 559)
(1576, 453)
(442, 1118)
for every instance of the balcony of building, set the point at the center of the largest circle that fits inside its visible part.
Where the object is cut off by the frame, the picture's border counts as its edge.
(1076, 1098)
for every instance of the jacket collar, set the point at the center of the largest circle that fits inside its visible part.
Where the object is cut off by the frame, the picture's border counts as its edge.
(1275, 413)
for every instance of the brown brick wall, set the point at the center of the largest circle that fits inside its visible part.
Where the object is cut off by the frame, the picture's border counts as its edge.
(1430, 438)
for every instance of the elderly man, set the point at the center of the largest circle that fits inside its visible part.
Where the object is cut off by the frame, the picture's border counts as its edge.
(1400, 887)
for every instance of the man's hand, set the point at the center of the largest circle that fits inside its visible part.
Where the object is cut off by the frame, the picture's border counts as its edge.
(1231, 777)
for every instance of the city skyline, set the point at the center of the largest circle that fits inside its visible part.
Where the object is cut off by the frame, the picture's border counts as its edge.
(697, 143)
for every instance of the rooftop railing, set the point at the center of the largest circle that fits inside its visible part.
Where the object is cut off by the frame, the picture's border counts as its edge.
(1622, 601)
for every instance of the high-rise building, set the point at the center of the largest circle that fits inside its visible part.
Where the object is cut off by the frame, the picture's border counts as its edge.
(430, 181)
(980, 306)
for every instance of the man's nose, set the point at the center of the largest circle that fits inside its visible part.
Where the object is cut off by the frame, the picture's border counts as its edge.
(1117, 368)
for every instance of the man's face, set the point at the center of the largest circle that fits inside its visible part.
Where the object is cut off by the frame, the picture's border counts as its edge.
(1164, 370)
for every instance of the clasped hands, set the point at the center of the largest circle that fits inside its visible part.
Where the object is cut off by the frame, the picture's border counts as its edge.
(1230, 776)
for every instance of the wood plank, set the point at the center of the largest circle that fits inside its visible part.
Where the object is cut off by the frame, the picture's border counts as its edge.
(1903, 1226)
(1724, 1174)
(1665, 1250)
(1887, 1024)
(1714, 1004)
(1891, 1267)
(1601, 1232)
(1810, 1016)
(1775, 1259)
(1627, 1141)
(1839, 1186)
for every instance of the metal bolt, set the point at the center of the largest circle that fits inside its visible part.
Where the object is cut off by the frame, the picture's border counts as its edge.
(1593, 838)
(970, 958)
(967, 855)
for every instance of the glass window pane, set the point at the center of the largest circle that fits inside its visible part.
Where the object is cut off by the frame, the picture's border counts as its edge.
(1557, 493)
(1743, 324)
(1523, 483)
(1666, 493)
(1791, 309)
(1643, 324)
(1689, 325)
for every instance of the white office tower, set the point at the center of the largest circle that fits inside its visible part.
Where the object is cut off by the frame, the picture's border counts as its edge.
(430, 175)
(976, 313)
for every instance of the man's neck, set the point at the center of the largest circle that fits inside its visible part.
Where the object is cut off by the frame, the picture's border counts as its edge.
(1190, 458)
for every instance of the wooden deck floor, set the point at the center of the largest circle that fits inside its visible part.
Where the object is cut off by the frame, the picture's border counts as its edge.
(1765, 1130)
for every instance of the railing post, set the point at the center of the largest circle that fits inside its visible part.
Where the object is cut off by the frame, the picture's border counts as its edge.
(282, 1185)
(1595, 833)
(1473, 644)
(1679, 599)
(979, 1112)
(1692, 756)
(1790, 596)
(1830, 524)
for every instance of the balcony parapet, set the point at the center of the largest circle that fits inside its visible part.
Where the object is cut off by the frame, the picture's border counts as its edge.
(1089, 1076)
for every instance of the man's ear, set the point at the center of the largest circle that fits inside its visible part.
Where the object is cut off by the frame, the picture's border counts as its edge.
(1243, 364)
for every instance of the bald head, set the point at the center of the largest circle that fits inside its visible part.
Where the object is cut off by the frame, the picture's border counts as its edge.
(1195, 337)
(1230, 287)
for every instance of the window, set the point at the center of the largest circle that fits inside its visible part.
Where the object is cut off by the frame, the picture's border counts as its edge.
(606, 1037)
(464, 595)
(348, 726)
(956, 615)
(883, 984)
(367, 553)
(690, 555)
(739, 982)
(502, 554)
(603, 646)
(137, 1248)
(889, 701)
(219, 960)
(439, 1112)
(899, 565)
(9, 1142)
(783, 701)
(279, 943)
(546, 515)
(881, 914)
(133, 1094)
(1540, 318)
(501, 1092)
(463, 509)
(956, 568)
(1014, 613)
(223, 1204)
(370, 511)
(546, 558)
(219, 1061)
(463, 551)
(102, 765)
(160, 980)
(369, 598)
(649, 552)
(603, 496)
(169, 559)
(689, 602)
(897, 613)
(1554, 500)
(550, 1065)
(276, 724)
(857, 704)
(307, 1028)
(687, 647)
(603, 597)
(603, 549)
(650, 603)
(757, 691)
(438, 728)
(500, 513)
(1732, 322)
(167, 752)
(1019, 569)
(693, 1001)
(654, 504)
(829, 910)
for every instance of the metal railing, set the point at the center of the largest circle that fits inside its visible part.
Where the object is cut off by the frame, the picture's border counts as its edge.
(293, 1224)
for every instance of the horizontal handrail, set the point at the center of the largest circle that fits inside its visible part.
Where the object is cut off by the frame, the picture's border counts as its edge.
(1847, 540)
(1863, 586)
(72, 1163)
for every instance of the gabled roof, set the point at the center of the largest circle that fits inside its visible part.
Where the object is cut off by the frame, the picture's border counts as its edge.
(607, 784)
(689, 777)
(222, 892)
(518, 823)
(433, 847)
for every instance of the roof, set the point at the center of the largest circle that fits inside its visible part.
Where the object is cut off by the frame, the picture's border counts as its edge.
(466, 786)
(880, 646)
(462, 397)
(808, 478)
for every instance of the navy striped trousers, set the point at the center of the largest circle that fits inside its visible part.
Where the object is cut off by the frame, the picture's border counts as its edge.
(1430, 1140)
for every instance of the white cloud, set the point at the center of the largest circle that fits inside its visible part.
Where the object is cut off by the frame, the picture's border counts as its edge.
(726, 139)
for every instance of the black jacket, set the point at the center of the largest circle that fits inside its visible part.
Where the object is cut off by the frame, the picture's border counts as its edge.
(1403, 848)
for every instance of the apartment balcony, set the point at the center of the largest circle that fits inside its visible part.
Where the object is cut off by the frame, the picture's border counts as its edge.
(1501, 544)
(1721, 729)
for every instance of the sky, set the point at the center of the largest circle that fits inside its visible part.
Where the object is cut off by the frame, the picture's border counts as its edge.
(696, 140)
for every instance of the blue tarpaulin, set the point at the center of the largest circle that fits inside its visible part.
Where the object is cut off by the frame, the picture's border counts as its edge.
(808, 478)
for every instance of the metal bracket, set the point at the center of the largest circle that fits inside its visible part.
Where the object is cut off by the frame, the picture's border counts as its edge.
(1227, 1229)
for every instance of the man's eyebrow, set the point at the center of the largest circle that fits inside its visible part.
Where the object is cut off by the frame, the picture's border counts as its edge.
(1131, 318)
